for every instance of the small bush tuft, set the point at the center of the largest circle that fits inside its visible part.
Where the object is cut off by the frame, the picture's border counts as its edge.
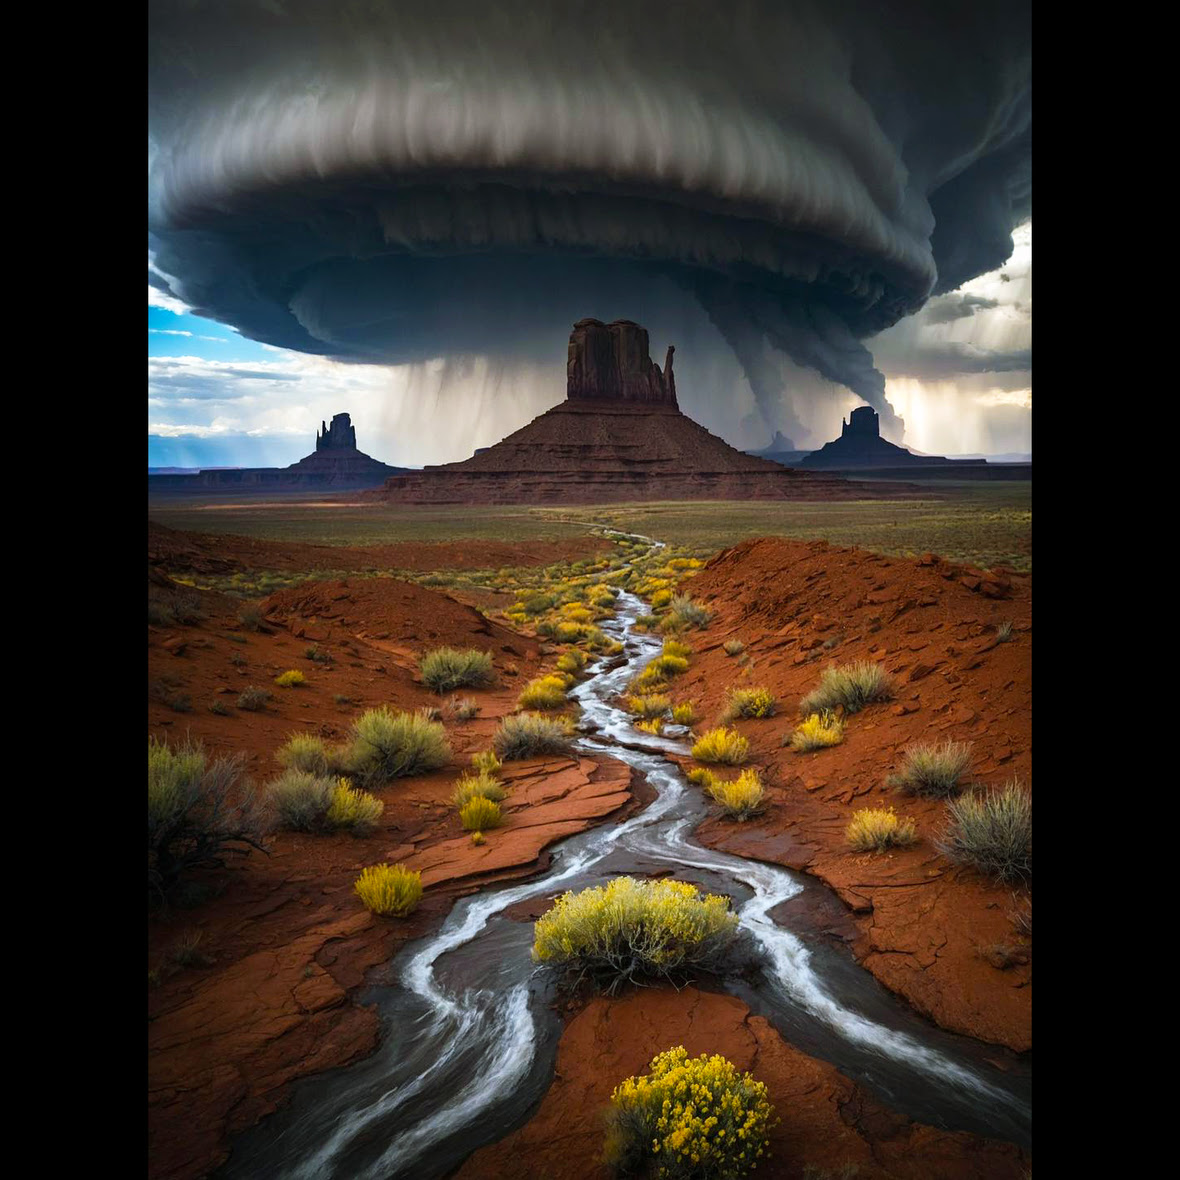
(300, 799)
(389, 890)
(875, 830)
(528, 735)
(648, 705)
(446, 669)
(852, 686)
(572, 661)
(749, 702)
(818, 732)
(306, 752)
(546, 692)
(933, 771)
(684, 612)
(479, 814)
(486, 762)
(462, 709)
(992, 831)
(483, 785)
(292, 678)
(725, 746)
(353, 809)
(254, 699)
(250, 617)
(684, 714)
(739, 798)
(734, 647)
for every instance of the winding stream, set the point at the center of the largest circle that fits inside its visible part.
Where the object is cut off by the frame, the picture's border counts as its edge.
(469, 1038)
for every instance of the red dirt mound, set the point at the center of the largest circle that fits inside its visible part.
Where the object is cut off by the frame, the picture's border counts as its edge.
(827, 1122)
(939, 935)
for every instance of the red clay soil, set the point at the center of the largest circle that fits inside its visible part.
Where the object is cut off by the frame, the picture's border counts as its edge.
(287, 941)
(598, 452)
(173, 550)
(939, 935)
(827, 1122)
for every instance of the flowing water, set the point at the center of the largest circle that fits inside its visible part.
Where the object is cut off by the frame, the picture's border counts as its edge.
(469, 1035)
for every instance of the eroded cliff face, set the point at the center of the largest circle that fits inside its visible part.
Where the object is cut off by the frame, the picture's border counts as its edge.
(610, 362)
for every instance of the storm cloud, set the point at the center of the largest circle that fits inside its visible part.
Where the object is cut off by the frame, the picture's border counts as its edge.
(395, 182)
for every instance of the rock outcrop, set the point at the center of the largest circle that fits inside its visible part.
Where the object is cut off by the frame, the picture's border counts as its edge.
(618, 436)
(335, 463)
(610, 362)
(860, 445)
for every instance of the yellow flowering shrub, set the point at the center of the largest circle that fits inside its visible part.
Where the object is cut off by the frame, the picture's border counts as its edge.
(874, 830)
(722, 745)
(353, 809)
(688, 1118)
(741, 797)
(669, 665)
(661, 598)
(673, 647)
(750, 702)
(654, 726)
(546, 692)
(702, 777)
(291, 679)
(572, 661)
(483, 784)
(631, 927)
(478, 814)
(389, 890)
(649, 704)
(819, 731)
(684, 714)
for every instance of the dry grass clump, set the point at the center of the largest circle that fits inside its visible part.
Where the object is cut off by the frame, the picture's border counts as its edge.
(389, 890)
(462, 708)
(734, 647)
(740, 798)
(197, 814)
(992, 831)
(851, 686)
(818, 732)
(725, 746)
(306, 752)
(546, 692)
(486, 762)
(875, 830)
(648, 705)
(483, 784)
(388, 745)
(631, 928)
(528, 735)
(292, 678)
(689, 1119)
(479, 814)
(1003, 632)
(932, 770)
(254, 699)
(445, 669)
(684, 613)
(749, 702)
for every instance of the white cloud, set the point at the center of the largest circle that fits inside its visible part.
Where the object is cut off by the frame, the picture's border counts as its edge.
(158, 298)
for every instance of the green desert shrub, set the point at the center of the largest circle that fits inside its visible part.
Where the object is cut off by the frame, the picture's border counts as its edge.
(479, 814)
(685, 612)
(389, 890)
(689, 1119)
(932, 770)
(198, 814)
(528, 735)
(546, 692)
(300, 799)
(305, 751)
(446, 669)
(749, 702)
(254, 699)
(852, 686)
(725, 746)
(817, 732)
(631, 928)
(992, 831)
(483, 784)
(387, 745)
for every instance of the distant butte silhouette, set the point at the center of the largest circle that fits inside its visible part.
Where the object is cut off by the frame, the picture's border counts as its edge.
(619, 435)
(860, 445)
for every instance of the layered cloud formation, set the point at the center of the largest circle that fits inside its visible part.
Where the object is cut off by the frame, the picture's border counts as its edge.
(392, 183)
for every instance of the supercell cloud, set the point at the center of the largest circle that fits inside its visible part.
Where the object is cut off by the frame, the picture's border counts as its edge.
(394, 182)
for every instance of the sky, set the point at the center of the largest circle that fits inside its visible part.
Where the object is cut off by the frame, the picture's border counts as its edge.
(399, 210)
(217, 399)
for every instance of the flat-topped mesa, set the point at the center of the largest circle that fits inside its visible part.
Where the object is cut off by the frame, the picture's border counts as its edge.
(341, 435)
(611, 362)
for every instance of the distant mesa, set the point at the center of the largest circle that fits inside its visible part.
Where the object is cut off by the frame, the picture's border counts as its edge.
(619, 435)
(781, 450)
(860, 445)
(335, 463)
